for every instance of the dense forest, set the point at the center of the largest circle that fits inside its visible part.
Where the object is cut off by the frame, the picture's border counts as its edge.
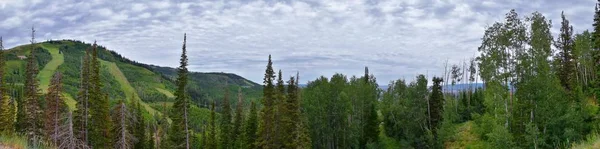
(540, 90)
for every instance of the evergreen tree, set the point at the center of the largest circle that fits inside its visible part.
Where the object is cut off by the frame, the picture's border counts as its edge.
(371, 122)
(436, 100)
(139, 131)
(7, 106)
(54, 108)
(266, 126)
(81, 120)
(33, 124)
(179, 134)
(565, 44)
(238, 122)
(250, 128)
(212, 132)
(225, 123)
(100, 128)
(290, 116)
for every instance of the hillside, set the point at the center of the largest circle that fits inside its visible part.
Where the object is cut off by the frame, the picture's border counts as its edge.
(122, 78)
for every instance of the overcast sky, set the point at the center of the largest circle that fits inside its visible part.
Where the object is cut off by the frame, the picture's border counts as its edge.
(395, 39)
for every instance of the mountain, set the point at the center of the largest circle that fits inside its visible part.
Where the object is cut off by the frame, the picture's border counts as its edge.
(122, 78)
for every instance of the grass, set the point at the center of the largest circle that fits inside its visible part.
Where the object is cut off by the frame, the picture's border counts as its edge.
(19, 142)
(125, 86)
(167, 93)
(465, 138)
(48, 71)
(71, 103)
(592, 141)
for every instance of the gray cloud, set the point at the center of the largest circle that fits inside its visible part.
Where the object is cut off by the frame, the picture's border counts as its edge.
(396, 39)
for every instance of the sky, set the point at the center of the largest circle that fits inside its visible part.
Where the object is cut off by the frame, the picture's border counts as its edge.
(395, 39)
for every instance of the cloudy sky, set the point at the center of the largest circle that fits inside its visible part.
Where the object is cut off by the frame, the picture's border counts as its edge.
(395, 39)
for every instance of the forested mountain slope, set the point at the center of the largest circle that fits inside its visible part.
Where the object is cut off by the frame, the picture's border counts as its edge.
(124, 78)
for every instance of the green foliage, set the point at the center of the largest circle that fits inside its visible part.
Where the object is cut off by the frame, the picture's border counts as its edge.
(405, 112)
(179, 133)
(251, 128)
(225, 124)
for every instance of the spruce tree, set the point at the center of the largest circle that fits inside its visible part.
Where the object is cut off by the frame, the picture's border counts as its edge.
(100, 128)
(7, 106)
(436, 101)
(250, 128)
(81, 116)
(139, 131)
(565, 45)
(371, 122)
(33, 126)
(290, 116)
(179, 133)
(212, 132)
(54, 108)
(238, 122)
(278, 115)
(266, 124)
(225, 123)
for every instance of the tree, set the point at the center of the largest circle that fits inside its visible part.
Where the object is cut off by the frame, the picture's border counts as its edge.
(68, 137)
(139, 124)
(212, 132)
(436, 100)
(238, 122)
(7, 105)
(250, 128)
(100, 128)
(81, 120)
(565, 44)
(179, 134)
(267, 117)
(33, 113)
(54, 108)
(124, 138)
(225, 123)
(290, 116)
(371, 125)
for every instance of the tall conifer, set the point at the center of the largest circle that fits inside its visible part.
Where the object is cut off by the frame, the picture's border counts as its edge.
(179, 134)
(33, 126)
(101, 123)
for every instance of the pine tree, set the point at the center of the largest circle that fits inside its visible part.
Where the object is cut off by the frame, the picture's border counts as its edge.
(266, 124)
(81, 120)
(565, 44)
(212, 132)
(302, 133)
(139, 130)
(225, 123)
(54, 107)
(122, 116)
(100, 128)
(250, 128)
(290, 116)
(371, 123)
(436, 101)
(179, 134)
(33, 112)
(7, 106)
(238, 122)
(278, 115)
